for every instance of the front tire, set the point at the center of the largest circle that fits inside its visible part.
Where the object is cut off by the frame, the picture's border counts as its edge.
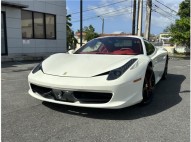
(148, 86)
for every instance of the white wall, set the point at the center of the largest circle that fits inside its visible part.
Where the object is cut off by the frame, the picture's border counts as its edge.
(182, 49)
(18, 46)
(78, 44)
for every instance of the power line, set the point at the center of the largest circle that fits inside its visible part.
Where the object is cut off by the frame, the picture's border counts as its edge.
(99, 7)
(166, 6)
(77, 18)
(102, 14)
(120, 13)
(165, 15)
(165, 11)
(154, 10)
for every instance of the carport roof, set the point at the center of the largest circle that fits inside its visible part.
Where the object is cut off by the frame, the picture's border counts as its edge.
(11, 4)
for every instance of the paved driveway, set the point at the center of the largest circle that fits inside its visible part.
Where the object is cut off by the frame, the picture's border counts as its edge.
(27, 119)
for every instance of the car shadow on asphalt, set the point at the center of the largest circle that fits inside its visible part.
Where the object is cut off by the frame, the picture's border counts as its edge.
(166, 95)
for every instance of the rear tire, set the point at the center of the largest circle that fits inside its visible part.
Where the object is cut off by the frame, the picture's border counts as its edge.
(148, 86)
(165, 73)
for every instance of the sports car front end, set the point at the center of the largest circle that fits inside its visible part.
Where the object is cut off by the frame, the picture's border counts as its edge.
(117, 84)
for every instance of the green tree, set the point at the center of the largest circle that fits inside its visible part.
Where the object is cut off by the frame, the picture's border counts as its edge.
(89, 33)
(71, 40)
(180, 31)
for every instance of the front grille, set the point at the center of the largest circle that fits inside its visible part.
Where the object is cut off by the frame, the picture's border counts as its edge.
(92, 97)
(43, 91)
(72, 96)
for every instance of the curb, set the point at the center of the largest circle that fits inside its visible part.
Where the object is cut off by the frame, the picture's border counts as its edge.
(179, 57)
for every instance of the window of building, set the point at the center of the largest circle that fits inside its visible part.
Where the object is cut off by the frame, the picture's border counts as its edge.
(50, 26)
(149, 48)
(37, 25)
(27, 26)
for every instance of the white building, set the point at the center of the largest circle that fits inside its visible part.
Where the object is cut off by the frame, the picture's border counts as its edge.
(77, 36)
(32, 28)
(165, 38)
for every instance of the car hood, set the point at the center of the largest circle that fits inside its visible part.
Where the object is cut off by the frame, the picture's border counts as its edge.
(82, 65)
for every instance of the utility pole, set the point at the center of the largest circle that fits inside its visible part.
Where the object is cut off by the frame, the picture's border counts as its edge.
(140, 17)
(102, 26)
(102, 23)
(148, 20)
(134, 17)
(81, 19)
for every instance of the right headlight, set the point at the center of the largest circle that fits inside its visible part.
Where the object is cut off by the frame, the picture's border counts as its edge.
(37, 68)
(116, 73)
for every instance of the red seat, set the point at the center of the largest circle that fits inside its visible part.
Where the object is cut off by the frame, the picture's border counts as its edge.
(124, 52)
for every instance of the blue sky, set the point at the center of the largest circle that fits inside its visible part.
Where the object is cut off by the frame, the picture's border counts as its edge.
(118, 17)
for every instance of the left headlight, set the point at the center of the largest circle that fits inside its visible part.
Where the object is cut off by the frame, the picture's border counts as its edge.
(116, 73)
(37, 68)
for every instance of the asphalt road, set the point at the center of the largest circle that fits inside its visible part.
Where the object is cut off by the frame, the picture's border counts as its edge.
(26, 119)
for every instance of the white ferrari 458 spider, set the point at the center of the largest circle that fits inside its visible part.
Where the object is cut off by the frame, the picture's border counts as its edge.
(107, 72)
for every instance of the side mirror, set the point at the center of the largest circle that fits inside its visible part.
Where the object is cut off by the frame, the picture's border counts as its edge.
(71, 51)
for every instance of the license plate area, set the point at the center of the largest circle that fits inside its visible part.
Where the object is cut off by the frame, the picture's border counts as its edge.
(62, 95)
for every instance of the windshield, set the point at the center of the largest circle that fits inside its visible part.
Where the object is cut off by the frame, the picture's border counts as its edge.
(112, 45)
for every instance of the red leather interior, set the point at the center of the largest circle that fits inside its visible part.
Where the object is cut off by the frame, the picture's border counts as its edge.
(124, 52)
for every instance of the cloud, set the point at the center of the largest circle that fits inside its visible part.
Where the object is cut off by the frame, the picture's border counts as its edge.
(125, 11)
(67, 9)
(117, 9)
(160, 21)
(173, 4)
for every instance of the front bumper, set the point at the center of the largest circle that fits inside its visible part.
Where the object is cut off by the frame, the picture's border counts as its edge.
(124, 93)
